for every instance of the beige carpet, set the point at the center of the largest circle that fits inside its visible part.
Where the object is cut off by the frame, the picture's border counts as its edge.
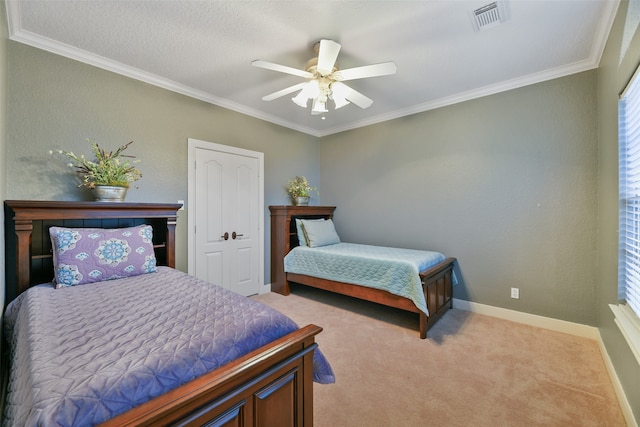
(472, 370)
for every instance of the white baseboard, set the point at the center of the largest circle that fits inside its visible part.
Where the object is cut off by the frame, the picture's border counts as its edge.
(557, 325)
(617, 386)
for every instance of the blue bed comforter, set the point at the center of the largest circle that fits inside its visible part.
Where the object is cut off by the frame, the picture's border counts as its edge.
(84, 354)
(395, 270)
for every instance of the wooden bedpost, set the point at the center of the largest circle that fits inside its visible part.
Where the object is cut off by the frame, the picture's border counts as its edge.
(171, 242)
(23, 255)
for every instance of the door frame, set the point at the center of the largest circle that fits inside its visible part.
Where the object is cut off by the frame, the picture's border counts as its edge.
(195, 144)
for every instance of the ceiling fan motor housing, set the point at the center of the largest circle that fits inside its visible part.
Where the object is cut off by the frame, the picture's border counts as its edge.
(312, 67)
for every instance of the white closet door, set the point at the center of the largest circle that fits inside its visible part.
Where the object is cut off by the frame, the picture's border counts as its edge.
(227, 203)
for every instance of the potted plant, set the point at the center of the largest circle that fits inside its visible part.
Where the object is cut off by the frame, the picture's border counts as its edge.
(109, 174)
(299, 190)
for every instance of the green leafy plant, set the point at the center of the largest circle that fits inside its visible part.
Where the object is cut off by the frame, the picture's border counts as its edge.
(107, 168)
(300, 187)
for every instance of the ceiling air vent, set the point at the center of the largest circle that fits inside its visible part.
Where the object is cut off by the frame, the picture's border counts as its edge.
(489, 15)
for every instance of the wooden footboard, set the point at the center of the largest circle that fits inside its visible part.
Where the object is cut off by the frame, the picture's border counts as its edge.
(437, 285)
(272, 386)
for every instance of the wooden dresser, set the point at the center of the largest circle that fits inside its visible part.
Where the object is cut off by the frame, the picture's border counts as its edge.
(284, 237)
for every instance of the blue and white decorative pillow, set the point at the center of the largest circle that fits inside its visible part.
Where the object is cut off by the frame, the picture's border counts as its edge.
(88, 255)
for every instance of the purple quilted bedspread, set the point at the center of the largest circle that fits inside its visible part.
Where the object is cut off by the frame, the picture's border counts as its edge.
(83, 354)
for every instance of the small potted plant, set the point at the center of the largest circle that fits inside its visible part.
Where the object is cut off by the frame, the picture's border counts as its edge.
(299, 190)
(109, 174)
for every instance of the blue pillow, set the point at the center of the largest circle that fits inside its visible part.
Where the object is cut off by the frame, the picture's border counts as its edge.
(320, 233)
(302, 239)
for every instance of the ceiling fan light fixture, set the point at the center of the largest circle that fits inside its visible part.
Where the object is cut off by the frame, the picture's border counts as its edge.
(300, 99)
(318, 107)
(340, 102)
(310, 90)
(339, 94)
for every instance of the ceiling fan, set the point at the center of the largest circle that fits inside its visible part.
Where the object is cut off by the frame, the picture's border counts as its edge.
(324, 79)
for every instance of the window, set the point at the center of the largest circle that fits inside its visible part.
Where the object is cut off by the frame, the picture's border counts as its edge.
(627, 313)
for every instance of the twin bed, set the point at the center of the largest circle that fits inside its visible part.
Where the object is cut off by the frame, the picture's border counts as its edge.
(417, 281)
(119, 339)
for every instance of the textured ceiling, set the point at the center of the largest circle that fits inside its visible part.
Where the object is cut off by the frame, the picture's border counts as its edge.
(204, 49)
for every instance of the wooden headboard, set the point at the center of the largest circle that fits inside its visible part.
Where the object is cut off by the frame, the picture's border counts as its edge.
(28, 250)
(284, 237)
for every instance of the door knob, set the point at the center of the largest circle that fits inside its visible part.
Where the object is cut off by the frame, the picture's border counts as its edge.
(225, 236)
(234, 235)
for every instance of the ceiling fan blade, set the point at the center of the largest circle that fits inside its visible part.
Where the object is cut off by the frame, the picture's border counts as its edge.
(375, 70)
(353, 95)
(327, 55)
(281, 68)
(284, 92)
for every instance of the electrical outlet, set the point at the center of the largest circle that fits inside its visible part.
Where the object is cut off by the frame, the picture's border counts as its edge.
(515, 293)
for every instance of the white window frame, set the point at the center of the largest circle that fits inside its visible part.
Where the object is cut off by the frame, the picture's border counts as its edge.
(627, 312)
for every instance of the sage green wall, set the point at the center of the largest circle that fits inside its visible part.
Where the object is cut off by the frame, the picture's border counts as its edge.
(55, 102)
(616, 68)
(505, 183)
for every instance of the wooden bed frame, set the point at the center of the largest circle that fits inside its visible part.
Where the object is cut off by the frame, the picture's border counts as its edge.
(270, 386)
(437, 281)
